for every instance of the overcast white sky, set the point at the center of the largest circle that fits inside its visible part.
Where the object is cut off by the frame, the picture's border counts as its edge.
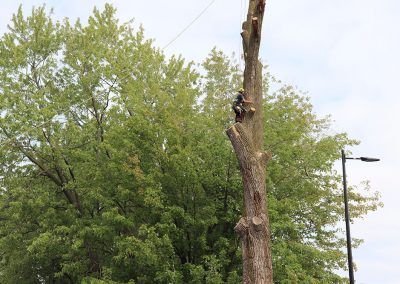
(344, 53)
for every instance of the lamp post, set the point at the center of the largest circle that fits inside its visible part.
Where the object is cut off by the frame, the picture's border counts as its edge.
(346, 210)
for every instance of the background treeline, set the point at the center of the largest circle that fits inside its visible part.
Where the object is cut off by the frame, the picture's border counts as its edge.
(114, 163)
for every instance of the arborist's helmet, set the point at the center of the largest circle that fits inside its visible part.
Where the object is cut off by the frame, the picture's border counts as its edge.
(241, 90)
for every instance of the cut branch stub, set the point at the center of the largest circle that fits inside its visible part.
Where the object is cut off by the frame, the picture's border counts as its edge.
(265, 157)
(254, 22)
(257, 223)
(261, 6)
(242, 226)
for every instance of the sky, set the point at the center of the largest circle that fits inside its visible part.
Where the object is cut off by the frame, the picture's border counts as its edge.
(345, 54)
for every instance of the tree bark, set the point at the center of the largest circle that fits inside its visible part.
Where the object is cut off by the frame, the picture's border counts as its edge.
(247, 140)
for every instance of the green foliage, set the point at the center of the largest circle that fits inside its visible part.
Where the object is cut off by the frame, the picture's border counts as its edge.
(304, 191)
(115, 167)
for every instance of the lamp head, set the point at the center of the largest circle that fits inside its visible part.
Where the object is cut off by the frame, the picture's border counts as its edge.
(367, 159)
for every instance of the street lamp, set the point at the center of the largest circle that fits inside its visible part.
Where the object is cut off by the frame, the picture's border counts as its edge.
(346, 210)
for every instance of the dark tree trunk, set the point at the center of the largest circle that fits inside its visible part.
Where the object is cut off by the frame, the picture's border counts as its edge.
(247, 141)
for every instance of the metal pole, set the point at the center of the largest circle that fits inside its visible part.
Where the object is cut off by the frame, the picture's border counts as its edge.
(347, 219)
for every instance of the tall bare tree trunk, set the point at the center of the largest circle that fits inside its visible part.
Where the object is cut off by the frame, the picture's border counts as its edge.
(247, 141)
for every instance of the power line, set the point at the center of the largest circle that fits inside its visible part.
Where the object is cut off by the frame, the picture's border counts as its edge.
(189, 25)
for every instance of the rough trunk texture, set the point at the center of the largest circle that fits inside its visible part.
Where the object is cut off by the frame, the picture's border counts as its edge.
(247, 141)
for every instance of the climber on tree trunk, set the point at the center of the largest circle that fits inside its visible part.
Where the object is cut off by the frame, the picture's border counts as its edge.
(238, 107)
